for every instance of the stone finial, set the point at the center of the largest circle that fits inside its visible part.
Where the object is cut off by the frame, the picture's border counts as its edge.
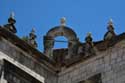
(11, 19)
(88, 38)
(110, 33)
(32, 38)
(89, 34)
(110, 25)
(110, 22)
(33, 31)
(89, 48)
(12, 15)
(63, 21)
(10, 25)
(32, 34)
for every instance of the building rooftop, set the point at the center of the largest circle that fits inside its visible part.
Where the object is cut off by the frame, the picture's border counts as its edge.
(56, 58)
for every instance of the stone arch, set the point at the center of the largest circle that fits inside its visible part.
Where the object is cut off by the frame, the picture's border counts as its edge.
(60, 31)
(65, 31)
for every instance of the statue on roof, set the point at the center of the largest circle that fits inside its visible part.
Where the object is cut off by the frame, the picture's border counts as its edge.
(63, 21)
(89, 39)
(110, 33)
(10, 26)
(89, 47)
(32, 38)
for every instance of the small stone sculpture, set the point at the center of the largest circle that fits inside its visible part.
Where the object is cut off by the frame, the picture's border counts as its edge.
(63, 21)
(89, 48)
(110, 33)
(10, 26)
(89, 39)
(32, 38)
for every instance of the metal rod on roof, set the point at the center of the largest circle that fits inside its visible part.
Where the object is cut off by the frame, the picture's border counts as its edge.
(61, 41)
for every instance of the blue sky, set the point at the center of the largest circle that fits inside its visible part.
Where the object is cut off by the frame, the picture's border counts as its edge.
(82, 16)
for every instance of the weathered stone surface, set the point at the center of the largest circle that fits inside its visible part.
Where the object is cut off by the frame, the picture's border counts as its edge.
(109, 62)
(27, 63)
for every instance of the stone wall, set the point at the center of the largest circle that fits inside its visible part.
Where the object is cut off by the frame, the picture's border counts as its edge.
(110, 64)
(26, 62)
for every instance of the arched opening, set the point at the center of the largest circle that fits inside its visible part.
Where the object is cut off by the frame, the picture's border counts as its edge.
(60, 37)
(60, 42)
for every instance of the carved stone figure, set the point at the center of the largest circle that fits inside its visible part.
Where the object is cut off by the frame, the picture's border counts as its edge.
(32, 38)
(89, 39)
(110, 33)
(63, 21)
(89, 48)
(10, 26)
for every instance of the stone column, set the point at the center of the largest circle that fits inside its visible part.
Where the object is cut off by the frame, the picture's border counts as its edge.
(1, 67)
(2, 80)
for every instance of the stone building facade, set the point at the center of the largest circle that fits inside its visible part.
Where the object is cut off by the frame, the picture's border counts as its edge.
(81, 62)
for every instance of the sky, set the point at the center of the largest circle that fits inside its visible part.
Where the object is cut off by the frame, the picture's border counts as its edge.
(81, 15)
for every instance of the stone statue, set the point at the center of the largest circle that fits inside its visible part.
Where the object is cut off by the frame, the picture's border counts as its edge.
(1, 67)
(89, 48)
(110, 33)
(32, 38)
(63, 21)
(10, 26)
(89, 39)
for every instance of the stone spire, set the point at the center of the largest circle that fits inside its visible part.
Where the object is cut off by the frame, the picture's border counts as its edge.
(32, 38)
(63, 21)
